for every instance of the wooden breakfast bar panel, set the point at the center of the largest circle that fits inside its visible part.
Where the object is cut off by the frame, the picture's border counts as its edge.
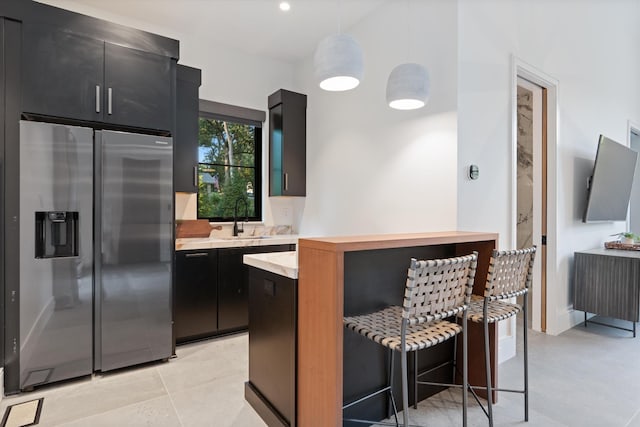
(321, 310)
(319, 372)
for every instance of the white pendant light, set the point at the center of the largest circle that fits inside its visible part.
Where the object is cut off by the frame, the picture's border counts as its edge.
(408, 83)
(338, 63)
(408, 87)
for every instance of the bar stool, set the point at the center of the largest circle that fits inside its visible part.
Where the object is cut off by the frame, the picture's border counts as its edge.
(509, 276)
(435, 290)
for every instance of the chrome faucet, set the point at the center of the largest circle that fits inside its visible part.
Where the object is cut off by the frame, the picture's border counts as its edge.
(239, 229)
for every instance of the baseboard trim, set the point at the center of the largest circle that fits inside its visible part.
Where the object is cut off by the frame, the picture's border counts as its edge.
(566, 320)
(263, 407)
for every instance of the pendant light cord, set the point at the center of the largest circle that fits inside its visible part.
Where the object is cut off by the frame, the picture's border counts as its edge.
(408, 30)
(339, 7)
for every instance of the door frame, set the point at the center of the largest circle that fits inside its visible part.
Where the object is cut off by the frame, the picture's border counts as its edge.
(631, 127)
(543, 312)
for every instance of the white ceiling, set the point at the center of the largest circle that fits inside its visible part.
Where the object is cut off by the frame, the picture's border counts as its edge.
(254, 26)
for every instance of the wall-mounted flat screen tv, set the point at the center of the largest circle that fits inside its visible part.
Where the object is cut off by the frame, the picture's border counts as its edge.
(611, 182)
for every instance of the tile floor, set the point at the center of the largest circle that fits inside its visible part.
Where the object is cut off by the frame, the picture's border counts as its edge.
(584, 377)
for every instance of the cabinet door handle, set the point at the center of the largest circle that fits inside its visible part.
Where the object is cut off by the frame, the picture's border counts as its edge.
(197, 255)
(195, 176)
(97, 98)
(286, 181)
(110, 101)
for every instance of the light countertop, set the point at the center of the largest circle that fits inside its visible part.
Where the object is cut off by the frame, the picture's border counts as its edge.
(281, 263)
(232, 242)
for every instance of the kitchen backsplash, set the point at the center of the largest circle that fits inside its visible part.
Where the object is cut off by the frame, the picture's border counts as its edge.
(187, 206)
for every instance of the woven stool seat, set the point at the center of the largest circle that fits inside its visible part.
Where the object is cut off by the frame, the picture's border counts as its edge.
(384, 327)
(496, 310)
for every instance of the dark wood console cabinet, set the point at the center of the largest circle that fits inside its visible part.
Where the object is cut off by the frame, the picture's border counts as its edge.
(607, 282)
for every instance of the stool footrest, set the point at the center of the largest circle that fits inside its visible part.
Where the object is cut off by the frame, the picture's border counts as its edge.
(362, 399)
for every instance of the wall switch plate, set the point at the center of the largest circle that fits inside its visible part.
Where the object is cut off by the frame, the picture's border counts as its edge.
(474, 172)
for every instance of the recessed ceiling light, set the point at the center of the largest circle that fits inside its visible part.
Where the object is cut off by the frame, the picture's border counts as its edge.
(285, 6)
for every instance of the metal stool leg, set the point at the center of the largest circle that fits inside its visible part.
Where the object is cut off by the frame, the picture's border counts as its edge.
(455, 357)
(393, 400)
(415, 380)
(487, 364)
(465, 369)
(405, 380)
(526, 358)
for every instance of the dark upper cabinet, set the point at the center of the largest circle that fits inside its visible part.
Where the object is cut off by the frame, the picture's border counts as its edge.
(287, 143)
(76, 77)
(60, 74)
(185, 155)
(137, 87)
(196, 294)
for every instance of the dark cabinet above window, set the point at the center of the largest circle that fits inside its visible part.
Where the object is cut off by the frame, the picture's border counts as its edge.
(287, 143)
(75, 77)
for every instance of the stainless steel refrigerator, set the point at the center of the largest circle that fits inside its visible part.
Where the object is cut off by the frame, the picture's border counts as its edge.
(96, 227)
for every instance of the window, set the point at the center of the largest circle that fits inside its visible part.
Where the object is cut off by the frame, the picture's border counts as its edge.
(229, 166)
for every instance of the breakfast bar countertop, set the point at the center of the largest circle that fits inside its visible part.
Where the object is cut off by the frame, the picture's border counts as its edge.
(281, 263)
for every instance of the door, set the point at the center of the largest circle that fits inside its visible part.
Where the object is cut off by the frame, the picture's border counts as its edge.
(196, 295)
(531, 189)
(634, 204)
(233, 285)
(138, 88)
(56, 223)
(134, 218)
(62, 74)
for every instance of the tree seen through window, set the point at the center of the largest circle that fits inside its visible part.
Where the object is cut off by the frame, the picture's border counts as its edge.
(227, 169)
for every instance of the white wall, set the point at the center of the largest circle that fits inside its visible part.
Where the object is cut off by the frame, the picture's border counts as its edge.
(371, 169)
(591, 49)
(228, 76)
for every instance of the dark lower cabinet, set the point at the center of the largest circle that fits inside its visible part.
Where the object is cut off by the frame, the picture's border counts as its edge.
(233, 282)
(271, 389)
(212, 291)
(196, 301)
